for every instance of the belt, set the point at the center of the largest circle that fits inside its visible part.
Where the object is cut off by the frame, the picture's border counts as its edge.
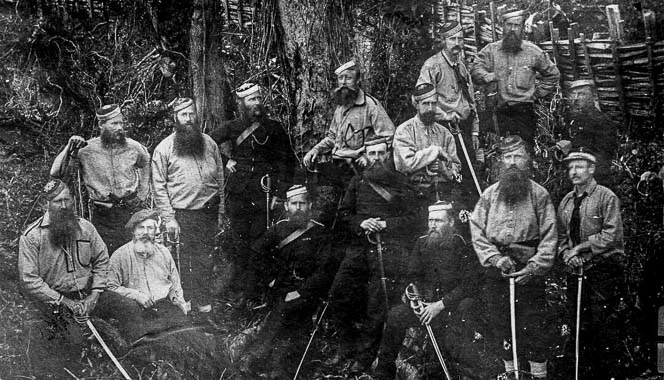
(115, 202)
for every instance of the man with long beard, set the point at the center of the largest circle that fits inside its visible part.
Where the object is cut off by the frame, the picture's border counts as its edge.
(115, 170)
(253, 146)
(443, 268)
(514, 234)
(298, 266)
(509, 66)
(357, 117)
(145, 273)
(188, 182)
(425, 150)
(380, 204)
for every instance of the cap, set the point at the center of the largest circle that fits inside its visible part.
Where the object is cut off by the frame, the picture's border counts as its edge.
(53, 188)
(247, 89)
(581, 83)
(449, 29)
(423, 91)
(181, 103)
(375, 140)
(140, 216)
(440, 206)
(348, 65)
(296, 190)
(108, 112)
(511, 143)
(581, 153)
(512, 13)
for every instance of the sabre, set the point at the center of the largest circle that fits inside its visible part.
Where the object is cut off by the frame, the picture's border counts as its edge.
(107, 350)
(311, 339)
(513, 325)
(578, 324)
(417, 305)
(457, 132)
(381, 267)
(266, 184)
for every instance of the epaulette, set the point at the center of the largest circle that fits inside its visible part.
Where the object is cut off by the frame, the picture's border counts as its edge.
(33, 225)
(461, 238)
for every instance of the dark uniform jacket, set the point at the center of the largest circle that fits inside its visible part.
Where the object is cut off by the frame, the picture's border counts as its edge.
(306, 264)
(266, 151)
(449, 272)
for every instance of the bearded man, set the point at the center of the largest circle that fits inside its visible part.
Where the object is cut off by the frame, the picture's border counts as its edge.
(115, 170)
(299, 267)
(509, 67)
(425, 150)
(514, 234)
(253, 146)
(357, 117)
(380, 204)
(188, 182)
(443, 268)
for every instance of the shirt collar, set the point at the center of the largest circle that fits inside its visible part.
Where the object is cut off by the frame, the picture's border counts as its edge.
(447, 58)
(589, 189)
(361, 98)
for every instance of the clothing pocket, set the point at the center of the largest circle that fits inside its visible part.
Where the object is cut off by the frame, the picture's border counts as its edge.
(524, 77)
(83, 252)
(595, 223)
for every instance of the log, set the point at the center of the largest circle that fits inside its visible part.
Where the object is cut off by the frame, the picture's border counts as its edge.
(615, 29)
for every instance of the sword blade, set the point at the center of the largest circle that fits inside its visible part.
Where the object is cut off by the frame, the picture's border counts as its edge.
(107, 350)
(470, 165)
(513, 325)
(578, 325)
(438, 353)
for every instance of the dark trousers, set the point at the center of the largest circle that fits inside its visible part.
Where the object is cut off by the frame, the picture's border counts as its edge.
(518, 119)
(197, 231)
(110, 223)
(602, 306)
(532, 333)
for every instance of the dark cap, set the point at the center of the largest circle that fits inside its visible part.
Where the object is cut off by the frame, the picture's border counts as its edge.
(140, 216)
(53, 188)
(423, 91)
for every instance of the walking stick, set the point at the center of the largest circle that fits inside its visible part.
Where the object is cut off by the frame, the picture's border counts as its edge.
(107, 350)
(578, 324)
(381, 267)
(311, 339)
(266, 183)
(513, 324)
(417, 305)
(456, 131)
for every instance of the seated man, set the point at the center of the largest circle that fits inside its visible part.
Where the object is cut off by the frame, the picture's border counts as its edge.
(144, 273)
(301, 268)
(444, 269)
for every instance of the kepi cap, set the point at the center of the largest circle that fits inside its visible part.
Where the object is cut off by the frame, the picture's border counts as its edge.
(348, 65)
(440, 206)
(581, 153)
(53, 188)
(140, 216)
(511, 143)
(449, 29)
(296, 190)
(375, 140)
(247, 89)
(423, 91)
(108, 112)
(181, 103)
(512, 13)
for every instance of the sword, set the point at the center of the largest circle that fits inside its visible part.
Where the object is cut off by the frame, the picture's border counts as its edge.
(578, 324)
(266, 183)
(311, 339)
(456, 131)
(107, 350)
(381, 267)
(417, 305)
(513, 325)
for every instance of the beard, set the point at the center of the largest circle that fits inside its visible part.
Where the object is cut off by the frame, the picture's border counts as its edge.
(254, 113)
(63, 225)
(144, 246)
(299, 218)
(428, 118)
(435, 239)
(514, 184)
(112, 139)
(512, 43)
(345, 96)
(189, 141)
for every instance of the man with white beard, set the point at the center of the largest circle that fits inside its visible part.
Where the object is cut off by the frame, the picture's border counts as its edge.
(115, 170)
(188, 182)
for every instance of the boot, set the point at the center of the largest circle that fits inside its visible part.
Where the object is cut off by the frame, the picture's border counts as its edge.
(538, 370)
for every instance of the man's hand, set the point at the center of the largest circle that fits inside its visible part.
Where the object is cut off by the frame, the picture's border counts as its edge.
(506, 264)
(452, 116)
(230, 165)
(524, 275)
(75, 306)
(475, 140)
(574, 263)
(173, 229)
(373, 225)
(442, 154)
(431, 311)
(291, 296)
(362, 161)
(75, 143)
(145, 301)
(90, 302)
(310, 157)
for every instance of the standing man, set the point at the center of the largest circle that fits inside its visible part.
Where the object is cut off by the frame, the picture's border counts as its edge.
(115, 170)
(379, 205)
(509, 66)
(357, 117)
(513, 228)
(442, 267)
(300, 269)
(425, 150)
(253, 146)
(188, 182)
(591, 238)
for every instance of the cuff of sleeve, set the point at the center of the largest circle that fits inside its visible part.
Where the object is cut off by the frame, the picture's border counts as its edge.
(493, 260)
